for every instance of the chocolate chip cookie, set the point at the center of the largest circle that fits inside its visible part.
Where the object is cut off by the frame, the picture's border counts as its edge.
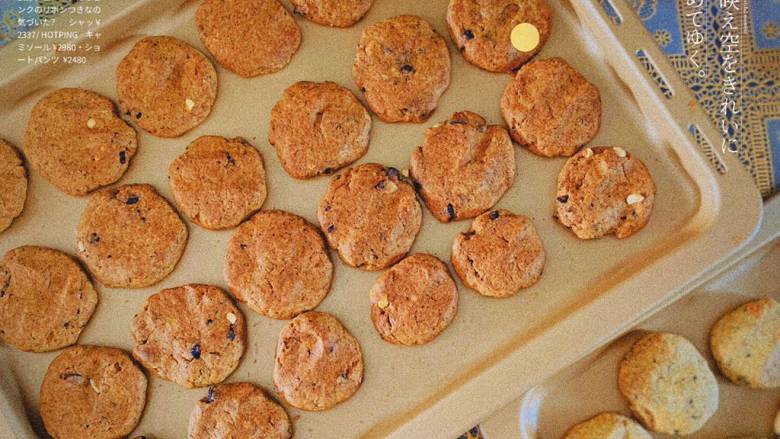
(337, 13)
(13, 184)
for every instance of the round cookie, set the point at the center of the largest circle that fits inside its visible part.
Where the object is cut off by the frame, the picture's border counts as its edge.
(92, 391)
(668, 384)
(500, 254)
(238, 410)
(746, 344)
(403, 67)
(218, 182)
(166, 86)
(248, 37)
(482, 29)
(318, 128)
(603, 191)
(318, 362)
(13, 184)
(76, 141)
(278, 264)
(370, 216)
(130, 237)
(414, 301)
(463, 167)
(45, 299)
(607, 425)
(336, 13)
(550, 108)
(192, 335)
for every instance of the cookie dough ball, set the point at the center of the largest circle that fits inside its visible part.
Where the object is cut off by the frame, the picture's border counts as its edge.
(45, 299)
(318, 128)
(668, 384)
(248, 37)
(76, 141)
(13, 184)
(746, 344)
(370, 216)
(482, 30)
(500, 254)
(130, 237)
(318, 362)
(278, 264)
(166, 86)
(550, 108)
(604, 191)
(92, 392)
(336, 13)
(607, 426)
(463, 167)
(403, 67)
(218, 182)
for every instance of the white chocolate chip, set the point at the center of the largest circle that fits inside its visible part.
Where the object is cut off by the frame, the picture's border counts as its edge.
(405, 172)
(231, 318)
(189, 104)
(91, 123)
(81, 247)
(588, 152)
(619, 151)
(94, 387)
(391, 187)
(383, 303)
(634, 198)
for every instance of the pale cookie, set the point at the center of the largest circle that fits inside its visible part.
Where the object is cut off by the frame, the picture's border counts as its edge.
(278, 264)
(607, 425)
(13, 184)
(92, 392)
(336, 13)
(45, 299)
(318, 128)
(76, 141)
(604, 191)
(130, 237)
(218, 182)
(668, 384)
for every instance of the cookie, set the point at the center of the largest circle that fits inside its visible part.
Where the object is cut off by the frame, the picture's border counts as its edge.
(248, 37)
(166, 86)
(463, 167)
(318, 362)
(403, 67)
(238, 410)
(370, 216)
(500, 254)
(604, 191)
(92, 392)
(130, 237)
(318, 128)
(76, 141)
(218, 182)
(414, 301)
(482, 30)
(550, 108)
(746, 344)
(668, 384)
(277, 263)
(192, 335)
(336, 13)
(607, 425)
(45, 299)
(13, 184)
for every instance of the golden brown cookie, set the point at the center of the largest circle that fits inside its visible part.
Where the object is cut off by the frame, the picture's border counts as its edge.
(414, 301)
(218, 182)
(602, 191)
(318, 128)
(248, 37)
(192, 335)
(318, 362)
(403, 67)
(550, 108)
(13, 184)
(607, 425)
(76, 141)
(278, 264)
(668, 384)
(463, 167)
(481, 29)
(45, 299)
(370, 216)
(92, 392)
(746, 344)
(238, 410)
(130, 237)
(337, 13)
(166, 86)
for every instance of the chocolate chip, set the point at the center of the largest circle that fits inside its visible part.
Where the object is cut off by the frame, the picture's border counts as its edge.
(210, 396)
(406, 68)
(230, 159)
(494, 214)
(242, 246)
(450, 212)
(392, 172)
(563, 198)
(328, 171)
(132, 199)
(66, 325)
(231, 335)
(138, 115)
(380, 185)
(122, 157)
(363, 89)
(94, 238)
(195, 351)
(209, 322)
(344, 375)
(331, 228)
(468, 34)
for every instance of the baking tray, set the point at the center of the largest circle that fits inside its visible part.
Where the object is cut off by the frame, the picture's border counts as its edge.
(495, 349)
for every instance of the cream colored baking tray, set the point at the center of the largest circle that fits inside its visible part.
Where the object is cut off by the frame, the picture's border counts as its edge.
(495, 349)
